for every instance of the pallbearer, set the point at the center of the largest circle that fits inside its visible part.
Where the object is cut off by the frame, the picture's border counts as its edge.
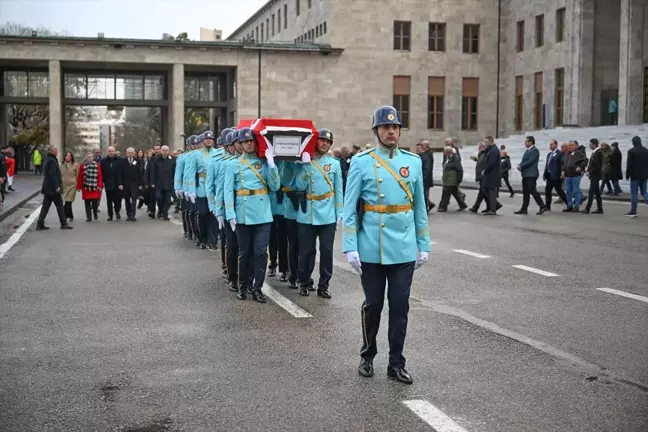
(385, 236)
(188, 182)
(210, 190)
(278, 237)
(321, 179)
(179, 187)
(248, 182)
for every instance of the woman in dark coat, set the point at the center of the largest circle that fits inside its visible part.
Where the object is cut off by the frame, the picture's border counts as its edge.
(505, 162)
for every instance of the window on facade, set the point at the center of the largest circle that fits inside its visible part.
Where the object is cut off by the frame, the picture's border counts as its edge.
(273, 24)
(317, 32)
(261, 32)
(471, 38)
(279, 21)
(539, 30)
(519, 102)
(297, 7)
(436, 37)
(256, 32)
(267, 28)
(520, 36)
(469, 99)
(285, 16)
(324, 27)
(401, 98)
(538, 99)
(402, 31)
(560, 25)
(436, 92)
(560, 96)
(310, 3)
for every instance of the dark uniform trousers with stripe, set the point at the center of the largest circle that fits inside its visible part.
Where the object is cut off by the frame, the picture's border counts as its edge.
(253, 254)
(308, 235)
(397, 280)
(232, 254)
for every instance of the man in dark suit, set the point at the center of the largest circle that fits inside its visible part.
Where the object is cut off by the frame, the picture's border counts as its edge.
(133, 183)
(52, 183)
(112, 170)
(427, 162)
(162, 181)
(594, 171)
(553, 174)
(491, 177)
(637, 173)
(529, 169)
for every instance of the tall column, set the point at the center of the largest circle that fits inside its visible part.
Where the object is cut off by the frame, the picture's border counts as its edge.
(4, 122)
(631, 62)
(582, 40)
(56, 106)
(176, 108)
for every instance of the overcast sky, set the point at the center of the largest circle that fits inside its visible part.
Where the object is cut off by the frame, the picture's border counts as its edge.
(139, 19)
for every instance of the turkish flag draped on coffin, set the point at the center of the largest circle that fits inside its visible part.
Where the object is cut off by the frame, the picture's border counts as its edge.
(288, 138)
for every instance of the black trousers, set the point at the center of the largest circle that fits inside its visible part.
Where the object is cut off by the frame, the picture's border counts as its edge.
(223, 242)
(48, 200)
(447, 192)
(113, 201)
(163, 198)
(489, 195)
(557, 185)
(232, 254)
(505, 177)
(202, 219)
(293, 249)
(151, 200)
(528, 190)
(279, 244)
(212, 228)
(131, 205)
(91, 208)
(67, 209)
(38, 169)
(397, 278)
(253, 254)
(594, 192)
(426, 192)
(308, 235)
(612, 184)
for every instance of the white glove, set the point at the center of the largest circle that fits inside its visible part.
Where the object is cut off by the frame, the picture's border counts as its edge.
(270, 158)
(354, 260)
(422, 259)
(177, 193)
(339, 221)
(192, 197)
(180, 193)
(233, 224)
(306, 159)
(221, 222)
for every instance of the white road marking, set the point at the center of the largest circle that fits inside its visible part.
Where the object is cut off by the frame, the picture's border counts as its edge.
(433, 416)
(4, 248)
(174, 220)
(282, 301)
(472, 254)
(624, 294)
(535, 270)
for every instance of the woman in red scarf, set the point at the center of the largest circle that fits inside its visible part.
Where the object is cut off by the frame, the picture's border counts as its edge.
(90, 183)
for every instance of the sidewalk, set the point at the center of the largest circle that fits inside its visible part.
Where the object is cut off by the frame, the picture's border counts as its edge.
(517, 187)
(27, 186)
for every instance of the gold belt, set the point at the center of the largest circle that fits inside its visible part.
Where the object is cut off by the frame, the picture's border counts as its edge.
(248, 192)
(393, 208)
(329, 194)
(286, 189)
(202, 175)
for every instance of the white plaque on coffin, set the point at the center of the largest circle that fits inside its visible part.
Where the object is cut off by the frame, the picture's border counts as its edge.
(286, 145)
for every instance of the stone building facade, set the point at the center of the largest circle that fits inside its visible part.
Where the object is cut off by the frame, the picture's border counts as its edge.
(559, 62)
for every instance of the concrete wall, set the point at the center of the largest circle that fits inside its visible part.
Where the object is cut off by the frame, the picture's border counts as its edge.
(607, 33)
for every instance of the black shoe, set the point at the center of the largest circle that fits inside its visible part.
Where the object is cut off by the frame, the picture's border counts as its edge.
(585, 211)
(292, 285)
(272, 272)
(66, 226)
(303, 290)
(42, 228)
(366, 368)
(151, 215)
(225, 275)
(512, 195)
(166, 218)
(203, 246)
(109, 219)
(118, 216)
(233, 286)
(283, 277)
(400, 375)
(542, 211)
(324, 292)
(242, 293)
(472, 210)
(70, 219)
(96, 216)
(133, 219)
(490, 213)
(568, 210)
(441, 210)
(89, 220)
(212, 247)
(311, 285)
(521, 212)
(631, 214)
(258, 296)
(598, 211)
(460, 209)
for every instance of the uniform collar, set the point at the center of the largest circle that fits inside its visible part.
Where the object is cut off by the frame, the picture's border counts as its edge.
(247, 156)
(389, 153)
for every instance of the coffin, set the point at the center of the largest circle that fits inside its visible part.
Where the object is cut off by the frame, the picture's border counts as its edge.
(288, 138)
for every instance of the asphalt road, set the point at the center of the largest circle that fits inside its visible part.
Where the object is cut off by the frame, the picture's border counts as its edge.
(122, 326)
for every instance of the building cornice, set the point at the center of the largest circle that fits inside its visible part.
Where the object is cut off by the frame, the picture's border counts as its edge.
(263, 9)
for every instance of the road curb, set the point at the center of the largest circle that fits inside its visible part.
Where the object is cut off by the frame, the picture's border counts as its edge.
(518, 190)
(21, 203)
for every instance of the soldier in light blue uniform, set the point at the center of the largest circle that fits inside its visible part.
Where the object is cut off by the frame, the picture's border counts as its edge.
(290, 209)
(210, 190)
(248, 183)
(385, 236)
(231, 255)
(321, 179)
(190, 206)
(178, 186)
(197, 167)
(278, 247)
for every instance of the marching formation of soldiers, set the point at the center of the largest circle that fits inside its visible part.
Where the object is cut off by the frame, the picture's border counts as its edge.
(253, 205)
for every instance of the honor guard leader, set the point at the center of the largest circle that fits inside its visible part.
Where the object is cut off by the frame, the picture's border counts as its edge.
(198, 168)
(210, 189)
(321, 178)
(178, 186)
(385, 236)
(248, 182)
(190, 206)
(231, 255)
